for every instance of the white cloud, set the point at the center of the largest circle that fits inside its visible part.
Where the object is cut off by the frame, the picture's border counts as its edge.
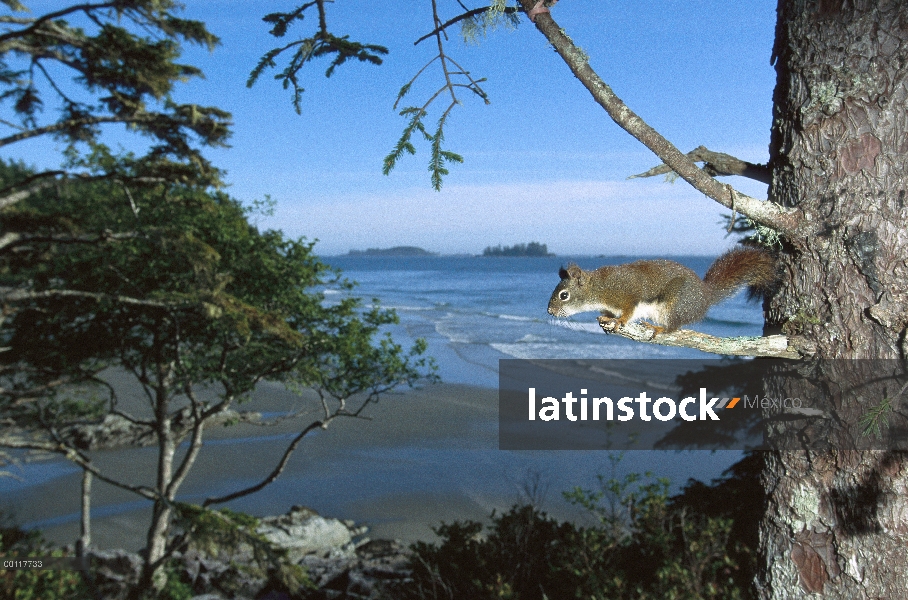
(572, 217)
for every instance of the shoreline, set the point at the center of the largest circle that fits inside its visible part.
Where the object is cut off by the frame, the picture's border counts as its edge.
(433, 418)
(425, 456)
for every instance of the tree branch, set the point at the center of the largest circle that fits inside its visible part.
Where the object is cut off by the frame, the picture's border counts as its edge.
(77, 457)
(74, 123)
(282, 463)
(20, 295)
(34, 24)
(330, 416)
(12, 238)
(716, 164)
(461, 17)
(195, 444)
(776, 346)
(787, 221)
(21, 397)
(45, 179)
(21, 195)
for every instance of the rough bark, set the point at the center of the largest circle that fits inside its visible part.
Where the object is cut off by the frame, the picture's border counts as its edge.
(839, 141)
(837, 518)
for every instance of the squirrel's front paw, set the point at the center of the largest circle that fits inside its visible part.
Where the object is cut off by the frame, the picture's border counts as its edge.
(609, 323)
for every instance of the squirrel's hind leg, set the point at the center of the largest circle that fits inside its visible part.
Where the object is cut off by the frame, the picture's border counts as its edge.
(682, 303)
(657, 329)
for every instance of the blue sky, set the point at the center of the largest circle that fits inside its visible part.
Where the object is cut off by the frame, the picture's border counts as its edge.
(543, 162)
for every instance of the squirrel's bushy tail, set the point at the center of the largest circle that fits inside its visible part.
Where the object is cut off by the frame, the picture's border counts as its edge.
(753, 267)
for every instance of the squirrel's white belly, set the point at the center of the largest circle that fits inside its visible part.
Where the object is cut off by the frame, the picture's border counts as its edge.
(644, 310)
(648, 311)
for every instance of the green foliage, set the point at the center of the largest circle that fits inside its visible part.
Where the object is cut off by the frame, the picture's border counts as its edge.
(454, 77)
(175, 276)
(211, 529)
(876, 419)
(323, 43)
(173, 285)
(404, 144)
(647, 546)
(222, 533)
(120, 68)
(525, 554)
(177, 587)
(438, 156)
(320, 44)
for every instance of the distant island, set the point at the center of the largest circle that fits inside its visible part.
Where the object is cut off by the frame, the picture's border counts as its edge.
(531, 249)
(395, 251)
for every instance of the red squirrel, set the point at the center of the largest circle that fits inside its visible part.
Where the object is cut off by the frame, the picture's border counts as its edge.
(663, 291)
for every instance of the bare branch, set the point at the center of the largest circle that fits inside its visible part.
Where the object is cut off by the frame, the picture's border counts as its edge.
(787, 221)
(21, 195)
(776, 346)
(20, 295)
(330, 415)
(74, 455)
(716, 164)
(11, 239)
(282, 463)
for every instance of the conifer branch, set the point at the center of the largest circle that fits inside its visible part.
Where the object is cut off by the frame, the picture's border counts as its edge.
(790, 222)
(453, 75)
(322, 43)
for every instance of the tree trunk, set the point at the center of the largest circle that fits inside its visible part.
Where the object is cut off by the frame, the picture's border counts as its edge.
(84, 541)
(837, 518)
(153, 575)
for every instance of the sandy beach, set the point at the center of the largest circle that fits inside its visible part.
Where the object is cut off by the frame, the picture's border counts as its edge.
(421, 457)
(339, 471)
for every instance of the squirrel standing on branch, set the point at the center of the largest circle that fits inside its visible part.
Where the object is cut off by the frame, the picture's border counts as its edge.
(663, 291)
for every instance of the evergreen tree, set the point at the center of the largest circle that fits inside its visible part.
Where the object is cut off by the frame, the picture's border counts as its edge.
(135, 261)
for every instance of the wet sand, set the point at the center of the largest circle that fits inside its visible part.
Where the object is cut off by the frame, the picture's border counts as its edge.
(347, 471)
(421, 457)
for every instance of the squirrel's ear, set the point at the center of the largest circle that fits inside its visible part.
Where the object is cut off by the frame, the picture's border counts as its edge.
(562, 272)
(572, 272)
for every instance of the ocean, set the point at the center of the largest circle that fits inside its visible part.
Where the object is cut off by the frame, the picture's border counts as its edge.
(475, 310)
(472, 311)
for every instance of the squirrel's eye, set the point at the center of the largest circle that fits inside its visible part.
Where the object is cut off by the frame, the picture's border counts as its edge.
(564, 295)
